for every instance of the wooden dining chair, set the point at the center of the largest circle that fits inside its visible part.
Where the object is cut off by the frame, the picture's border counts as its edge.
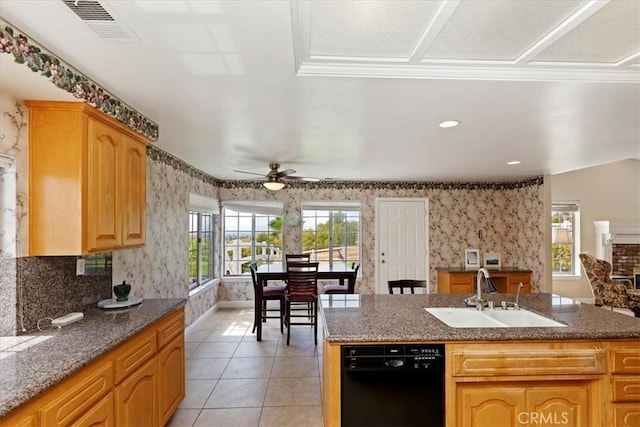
(296, 258)
(261, 310)
(341, 288)
(302, 287)
(406, 284)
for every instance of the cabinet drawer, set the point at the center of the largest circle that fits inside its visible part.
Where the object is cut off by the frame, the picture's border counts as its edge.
(73, 398)
(529, 361)
(461, 279)
(627, 415)
(625, 361)
(516, 278)
(100, 415)
(170, 328)
(625, 389)
(134, 354)
(461, 289)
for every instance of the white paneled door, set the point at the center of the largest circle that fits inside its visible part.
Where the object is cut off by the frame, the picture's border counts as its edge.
(401, 240)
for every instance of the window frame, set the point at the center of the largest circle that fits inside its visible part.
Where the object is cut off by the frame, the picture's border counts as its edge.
(200, 235)
(332, 208)
(256, 211)
(571, 209)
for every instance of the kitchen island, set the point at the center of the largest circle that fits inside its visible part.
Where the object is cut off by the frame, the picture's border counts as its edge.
(586, 373)
(97, 368)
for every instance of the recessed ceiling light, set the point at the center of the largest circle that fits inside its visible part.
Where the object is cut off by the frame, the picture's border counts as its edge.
(514, 162)
(449, 124)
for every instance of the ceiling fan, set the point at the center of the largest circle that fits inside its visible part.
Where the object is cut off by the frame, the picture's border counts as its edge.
(275, 179)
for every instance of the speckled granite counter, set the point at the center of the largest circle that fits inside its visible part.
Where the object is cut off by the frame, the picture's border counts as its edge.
(31, 364)
(402, 318)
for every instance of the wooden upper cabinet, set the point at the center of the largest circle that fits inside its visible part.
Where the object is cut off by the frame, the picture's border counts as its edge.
(103, 185)
(87, 180)
(134, 200)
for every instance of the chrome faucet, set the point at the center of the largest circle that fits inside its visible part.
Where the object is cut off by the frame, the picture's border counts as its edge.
(516, 305)
(477, 300)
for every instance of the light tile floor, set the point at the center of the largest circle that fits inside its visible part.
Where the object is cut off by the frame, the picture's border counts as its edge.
(234, 380)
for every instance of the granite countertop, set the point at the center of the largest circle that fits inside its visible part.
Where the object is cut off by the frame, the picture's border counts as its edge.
(32, 363)
(504, 269)
(402, 318)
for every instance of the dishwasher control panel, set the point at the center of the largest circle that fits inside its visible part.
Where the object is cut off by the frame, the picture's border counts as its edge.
(393, 357)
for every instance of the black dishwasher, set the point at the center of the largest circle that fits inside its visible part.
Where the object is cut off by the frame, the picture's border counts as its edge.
(392, 385)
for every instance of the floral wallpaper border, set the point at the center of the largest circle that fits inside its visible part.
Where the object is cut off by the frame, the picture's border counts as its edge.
(161, 156)
(392, 185)
(61, 74)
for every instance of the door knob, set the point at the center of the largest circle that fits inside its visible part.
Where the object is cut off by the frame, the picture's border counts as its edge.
(382, 254)
(382, 261)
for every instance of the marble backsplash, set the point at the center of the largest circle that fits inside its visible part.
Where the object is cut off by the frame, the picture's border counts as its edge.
(8, 305)
(49, 287)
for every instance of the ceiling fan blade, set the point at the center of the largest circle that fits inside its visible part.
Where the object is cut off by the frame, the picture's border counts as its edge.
(300, 178)
(250, 173)
(285, 172)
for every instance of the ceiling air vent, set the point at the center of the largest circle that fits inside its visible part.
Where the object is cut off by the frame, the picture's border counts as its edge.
(103, 22)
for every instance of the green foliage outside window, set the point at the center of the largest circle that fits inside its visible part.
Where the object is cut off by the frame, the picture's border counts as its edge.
(561, 257)
(345, 233)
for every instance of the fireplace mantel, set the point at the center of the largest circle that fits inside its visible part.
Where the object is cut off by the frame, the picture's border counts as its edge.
(609, 233)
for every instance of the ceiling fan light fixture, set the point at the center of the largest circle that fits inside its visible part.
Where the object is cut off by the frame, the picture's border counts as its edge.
(273, 185)
(449, 124)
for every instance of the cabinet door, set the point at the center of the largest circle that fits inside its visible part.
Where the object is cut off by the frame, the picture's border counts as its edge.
(136, 399)
(103, 192)
(101, 415)
(171, 377)
(560, 404)
(515, 279)
(479, 405)
(462, 283)
(134, 192)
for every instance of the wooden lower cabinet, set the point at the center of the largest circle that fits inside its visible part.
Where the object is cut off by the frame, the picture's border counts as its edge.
(464, 282)
(624, 382)
(136, 399)
(171, 377)
(527, 383)
(100, 415)
(524, 403)
(497, 406)
(139, 383)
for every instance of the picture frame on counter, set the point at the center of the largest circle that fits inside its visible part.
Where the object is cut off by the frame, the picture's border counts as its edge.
(471, 259)
(492, 260)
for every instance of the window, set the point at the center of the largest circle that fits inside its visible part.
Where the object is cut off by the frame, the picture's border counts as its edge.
(252, 233)
(203, 220)
(201, 249)
(331, 232)
(565, 239)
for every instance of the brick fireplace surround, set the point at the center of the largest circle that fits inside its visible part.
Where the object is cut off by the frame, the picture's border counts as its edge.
(624, 258)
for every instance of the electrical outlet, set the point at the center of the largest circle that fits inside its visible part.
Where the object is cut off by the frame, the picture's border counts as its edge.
(80, 267)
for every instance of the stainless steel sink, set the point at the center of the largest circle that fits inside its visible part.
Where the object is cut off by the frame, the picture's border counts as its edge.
(457, 317)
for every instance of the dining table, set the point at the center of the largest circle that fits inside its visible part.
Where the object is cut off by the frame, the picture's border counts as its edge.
(271, 272)
(340, 272)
